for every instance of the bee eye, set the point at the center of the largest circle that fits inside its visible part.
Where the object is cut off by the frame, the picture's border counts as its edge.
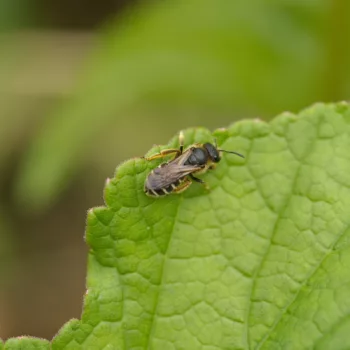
(213, 153)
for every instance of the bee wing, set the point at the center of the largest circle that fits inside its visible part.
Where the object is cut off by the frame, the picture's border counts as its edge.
(168, 174)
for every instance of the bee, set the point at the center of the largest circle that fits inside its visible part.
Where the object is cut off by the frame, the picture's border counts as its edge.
(177, 175)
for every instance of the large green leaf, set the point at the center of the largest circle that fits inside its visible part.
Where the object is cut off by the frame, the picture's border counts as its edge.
(261, 261)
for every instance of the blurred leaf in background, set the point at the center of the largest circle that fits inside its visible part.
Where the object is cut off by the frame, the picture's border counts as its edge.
(13, 14)
(173, 64)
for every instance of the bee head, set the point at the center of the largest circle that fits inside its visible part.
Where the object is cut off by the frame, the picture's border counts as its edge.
(213, 152)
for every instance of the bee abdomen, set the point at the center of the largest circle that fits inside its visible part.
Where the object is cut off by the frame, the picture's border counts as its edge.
(158, 192)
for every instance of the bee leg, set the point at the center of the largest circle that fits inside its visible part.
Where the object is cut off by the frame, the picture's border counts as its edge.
(212, 167)
(181, 141)
(199, 180)
(164, 153)
(196, 179)
(184, 186)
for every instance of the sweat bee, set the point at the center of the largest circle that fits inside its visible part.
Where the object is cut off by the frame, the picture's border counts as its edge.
(176, 175)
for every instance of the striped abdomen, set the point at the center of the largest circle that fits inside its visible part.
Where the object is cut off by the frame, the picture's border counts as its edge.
(160, 191)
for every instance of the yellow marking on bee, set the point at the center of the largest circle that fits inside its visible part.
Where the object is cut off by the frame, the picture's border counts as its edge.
(183, 186)
(181, 137)
(165, 191)
(155, 193)
(173, 186)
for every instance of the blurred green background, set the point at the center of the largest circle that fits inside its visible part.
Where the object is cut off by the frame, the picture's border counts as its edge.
(85, 86)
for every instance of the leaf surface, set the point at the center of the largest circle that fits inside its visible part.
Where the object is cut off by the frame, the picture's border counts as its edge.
(261, 261)
(26, 343)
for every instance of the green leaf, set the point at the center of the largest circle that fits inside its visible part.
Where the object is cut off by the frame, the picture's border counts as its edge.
(261, 261)
(27, 343)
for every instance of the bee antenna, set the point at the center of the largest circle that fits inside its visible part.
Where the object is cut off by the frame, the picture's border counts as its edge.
(233, 152)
